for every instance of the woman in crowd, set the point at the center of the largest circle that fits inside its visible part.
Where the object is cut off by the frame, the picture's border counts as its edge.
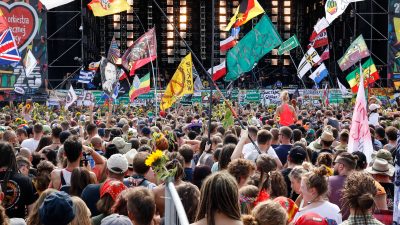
(266, 213)
(82, 212)
(285, 113)
(33, 217)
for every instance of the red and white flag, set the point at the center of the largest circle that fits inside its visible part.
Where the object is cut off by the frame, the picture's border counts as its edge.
(324, 56)
(326, 96)
(360, 137)
(227, 44)
(218, 71)
(320, 40)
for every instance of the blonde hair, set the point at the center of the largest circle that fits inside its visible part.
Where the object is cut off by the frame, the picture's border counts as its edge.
(266, 213)
(285, 96)
(82, 212)
(33, 217)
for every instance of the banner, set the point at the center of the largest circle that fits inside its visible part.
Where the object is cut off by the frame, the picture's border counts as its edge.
(355, 52)
(394, 40)
(288, 45)
(28, 23)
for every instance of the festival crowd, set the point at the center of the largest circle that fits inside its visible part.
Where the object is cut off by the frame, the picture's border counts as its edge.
(290, 165)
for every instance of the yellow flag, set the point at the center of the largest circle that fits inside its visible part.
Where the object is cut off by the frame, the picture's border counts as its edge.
(108, 7)
(180, 84)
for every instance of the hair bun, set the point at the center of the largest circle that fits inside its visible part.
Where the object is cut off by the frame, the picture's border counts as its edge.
(249, 220)
(366, 201)
(321, 171)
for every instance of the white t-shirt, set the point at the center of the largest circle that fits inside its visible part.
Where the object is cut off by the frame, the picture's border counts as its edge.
(324, 209)
(250, 152)
(374, 119)
(30, 144)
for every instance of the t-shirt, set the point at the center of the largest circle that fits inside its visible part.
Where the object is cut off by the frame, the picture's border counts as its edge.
(20, 193)
(30, 144)
(188, 174)
(90, 195)
(374, 119)
(250, 152)
(336, 184)
(325, 209)
(283, 151)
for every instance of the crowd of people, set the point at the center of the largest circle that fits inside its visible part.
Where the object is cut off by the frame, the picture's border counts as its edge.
(290, 165)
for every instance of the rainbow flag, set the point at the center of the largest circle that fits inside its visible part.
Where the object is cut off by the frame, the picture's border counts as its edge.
(139, 86)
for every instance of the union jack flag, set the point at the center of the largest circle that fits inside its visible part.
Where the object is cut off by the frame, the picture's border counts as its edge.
(9, 53)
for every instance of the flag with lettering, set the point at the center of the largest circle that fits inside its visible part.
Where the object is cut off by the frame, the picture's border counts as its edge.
(360, 137)
(288, 45)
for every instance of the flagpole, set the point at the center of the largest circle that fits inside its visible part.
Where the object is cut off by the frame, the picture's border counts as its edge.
(212, 68)
(294, 64)
(208, 75)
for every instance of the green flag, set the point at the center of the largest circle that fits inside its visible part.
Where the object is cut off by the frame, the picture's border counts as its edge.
(356, 51)
(258, 42)
(288, 45)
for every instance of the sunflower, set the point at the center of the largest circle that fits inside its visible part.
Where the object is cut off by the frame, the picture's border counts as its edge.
(78, 114)
(153, 157)
(61, 118)
(17, 120)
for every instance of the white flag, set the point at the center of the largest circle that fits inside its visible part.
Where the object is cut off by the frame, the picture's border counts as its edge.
(360, 137)
(342, 88)
(30, 63)
(321, 25)
(71, 97)
(334, 8)
(310, 58)
(54, 3)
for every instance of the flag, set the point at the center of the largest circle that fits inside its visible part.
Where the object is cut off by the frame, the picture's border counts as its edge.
(227, 44)
(320, 40)
(319, 74)
(3, 22)
(113, 52)
(360, 137)
(94, 65)
(247, 10)
(324, 55)
(358, 50)
(235, 32)
(71, 97)
(334, 8)
(123, 75)
(85, 77)
(396, 26)
(342, 88)
(218, 71)
(288, 45)
(109, 76)
(198, 86)
(107, 7)
(9, 53)
(54, 3)
(258, 42)
(181, 83)
(326, 96)
(321, 25)
(139, 86)
(30, 63)
(370, 75)
(141, 52)
(310, 58)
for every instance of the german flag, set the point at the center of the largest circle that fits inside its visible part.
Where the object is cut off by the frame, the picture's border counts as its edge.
(247, 10)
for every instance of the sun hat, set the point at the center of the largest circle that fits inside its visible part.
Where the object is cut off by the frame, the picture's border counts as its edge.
(327, 135)
(372, 107)
(383, 154)
(113, 188)
(122, 146)
(381, 166)
(117, 163)
(116, 219)
(129, 157)
(57, 209)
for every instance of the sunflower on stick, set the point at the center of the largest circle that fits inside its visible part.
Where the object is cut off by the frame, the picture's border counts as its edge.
(158, 160)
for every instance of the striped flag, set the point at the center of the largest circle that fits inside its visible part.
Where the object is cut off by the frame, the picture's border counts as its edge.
(325, 55)
(218, 71)
(114, 53)
(85, 77)
(139, 86)
(227, 44)
(9, 53)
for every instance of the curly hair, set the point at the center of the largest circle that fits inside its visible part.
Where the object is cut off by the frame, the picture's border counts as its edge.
(240, 168)
(266, 213)
(358, 192)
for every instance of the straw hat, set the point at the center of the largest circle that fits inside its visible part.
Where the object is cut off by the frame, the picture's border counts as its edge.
(381, 166)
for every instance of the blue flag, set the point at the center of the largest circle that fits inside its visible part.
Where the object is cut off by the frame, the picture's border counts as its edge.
(9, 53)
(319, 74)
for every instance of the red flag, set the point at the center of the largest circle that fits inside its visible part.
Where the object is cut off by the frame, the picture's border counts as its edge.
(3, 22)
(141, 52)
(227, 44)
(324, 56)
(218, 71)
(123, 75)
(320, 40)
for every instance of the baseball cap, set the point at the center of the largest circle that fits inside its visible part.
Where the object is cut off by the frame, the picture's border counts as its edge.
(57, 209)
(311, 218)
(146, 131)
(297, 154)
(117, 163)
(113, 188)
(372, 107)
(116, 219)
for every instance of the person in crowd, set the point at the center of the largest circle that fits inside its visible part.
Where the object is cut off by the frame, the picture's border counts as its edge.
(331, 120)
(391, 134)
(141, 206)
(199, 174)
(314, 187)
(33, 217)
(326, 141)
(117, 165)
(80, 178)
(22, 135)
(242, 170)
(219, 202)
(225, 156)
(380, 135)
(57, 208)
(373, 118)
(248, 195)
(358, 195)
(343, 140)
(266, 213)
(190, 197)
(187, 153)
(326, 159)
(285, 135)
(82, 213)
(140, 171)
(297, 155)
(32, 143)
(116, 219)
(216, 167)
(22, 185)
(295, 181)
(285, 113)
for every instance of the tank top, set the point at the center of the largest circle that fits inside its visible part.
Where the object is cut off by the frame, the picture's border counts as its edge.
(286, 116)
(65, 176)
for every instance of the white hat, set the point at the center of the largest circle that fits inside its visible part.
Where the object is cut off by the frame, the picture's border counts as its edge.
(122, 146)
(117, 163)
(372, 107)
(381, 166)
(129, 157)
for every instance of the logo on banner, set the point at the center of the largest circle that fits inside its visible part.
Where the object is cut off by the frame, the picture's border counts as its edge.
(23, 21)
(331, 7)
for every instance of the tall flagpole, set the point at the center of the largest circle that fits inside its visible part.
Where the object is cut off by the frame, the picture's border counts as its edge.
(212, 68)
(297, 72)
